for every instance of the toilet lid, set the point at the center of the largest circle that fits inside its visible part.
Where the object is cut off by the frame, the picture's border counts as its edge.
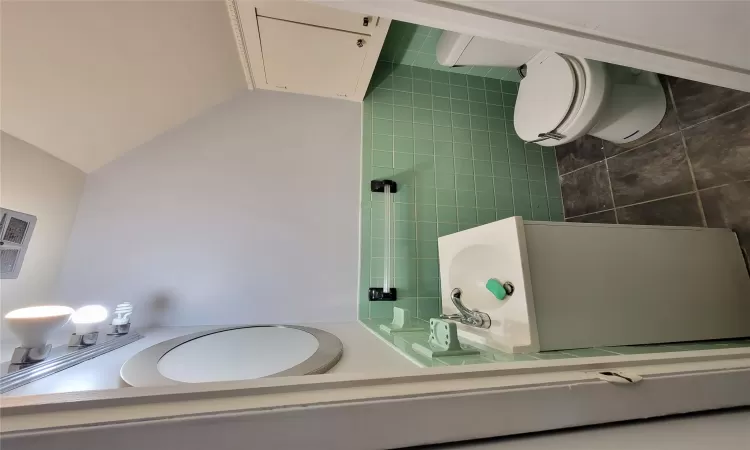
(545, 95)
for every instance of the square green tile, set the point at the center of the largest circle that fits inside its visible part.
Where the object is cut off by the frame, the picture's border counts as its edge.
(447, 214)
(439, 76)
(480, 138)
(548, 157)
(423, 116)
(459, 106)
(503, 185)
(383, 111)
(476, 95)
(496, 111)
(462, 135)
(427, 231)
(446, 197)
(403, 113)
(422, 87)
(475, 82)
(459, 92)
(536, 173)
(461, 121)
(481, 152)
(424, 147)
(492, 84)
(466, 199)
(402, 71)
(462, 150)
(443, 148)
(539, 208)
(504, 202)
(478, 109)
(403, 129)
(519, 171)
(445, 181)
(419, 73)
(442, 118)
(534, 158)
(422, 131)
(441, 104)
(520, 188)
(382, 126)
(501, 169)
(467, 215)
(494, 98)
(402, 98)
(381, 142)
(517, 155)
(426, 213)
(403, 144)
(479, 123)
(441, 90)
(484, 184)
(422, 101)
(464, 166)
(483, 168)
(402, 84)
(485, 216)
(444, 165)
(403, 161)
(447, 228)
(380, 95)
(538, 188)
(443, 134)
(458, 79)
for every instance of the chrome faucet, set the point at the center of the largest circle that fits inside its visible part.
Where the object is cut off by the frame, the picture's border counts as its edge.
(466, 316)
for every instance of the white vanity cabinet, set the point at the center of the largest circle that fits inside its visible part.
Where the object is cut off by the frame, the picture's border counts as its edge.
(307, 48)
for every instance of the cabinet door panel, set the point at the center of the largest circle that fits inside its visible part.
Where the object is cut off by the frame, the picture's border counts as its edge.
(303, 12)
(310, 59)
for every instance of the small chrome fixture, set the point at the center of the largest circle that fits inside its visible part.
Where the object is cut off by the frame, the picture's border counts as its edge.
(466, 316)
(121, 321)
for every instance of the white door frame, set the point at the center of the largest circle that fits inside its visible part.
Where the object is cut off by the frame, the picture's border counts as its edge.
(510, 27)
(350, 412)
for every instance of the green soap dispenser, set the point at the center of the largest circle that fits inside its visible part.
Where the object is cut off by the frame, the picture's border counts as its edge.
(497, 288)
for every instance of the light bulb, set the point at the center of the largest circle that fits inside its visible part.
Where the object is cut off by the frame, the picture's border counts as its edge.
(88, 317)
(34, 324)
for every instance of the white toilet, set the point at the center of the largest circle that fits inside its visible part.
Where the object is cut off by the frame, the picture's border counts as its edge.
(563, 97)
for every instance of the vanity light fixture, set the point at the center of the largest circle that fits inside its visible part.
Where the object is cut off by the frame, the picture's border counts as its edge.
(33, 326)
(87, 320)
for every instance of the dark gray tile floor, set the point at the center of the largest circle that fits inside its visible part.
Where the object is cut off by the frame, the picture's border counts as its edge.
(692, 170)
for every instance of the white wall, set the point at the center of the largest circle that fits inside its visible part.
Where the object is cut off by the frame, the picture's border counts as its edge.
(34, 182)
(246, 214)
(87, 81)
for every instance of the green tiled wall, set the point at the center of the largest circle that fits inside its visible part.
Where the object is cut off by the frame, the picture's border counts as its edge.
(414, 45)
(448, 140)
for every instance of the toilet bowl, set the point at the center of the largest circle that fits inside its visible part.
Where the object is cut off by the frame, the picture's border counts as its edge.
(563, 97)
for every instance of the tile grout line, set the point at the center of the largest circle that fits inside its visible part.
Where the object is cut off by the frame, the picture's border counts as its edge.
(695, 183)
(687, 156)
(644, 202)
(611, 191)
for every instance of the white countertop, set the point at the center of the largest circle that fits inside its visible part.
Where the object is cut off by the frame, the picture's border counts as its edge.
(363, 354)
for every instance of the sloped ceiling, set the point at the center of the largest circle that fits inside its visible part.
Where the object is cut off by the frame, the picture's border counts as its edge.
(87, 81)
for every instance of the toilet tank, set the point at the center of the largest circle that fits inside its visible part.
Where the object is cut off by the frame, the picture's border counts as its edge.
(456, 49)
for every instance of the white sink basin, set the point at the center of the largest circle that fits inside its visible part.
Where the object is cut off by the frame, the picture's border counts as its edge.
(468, 260)
(596, 285)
